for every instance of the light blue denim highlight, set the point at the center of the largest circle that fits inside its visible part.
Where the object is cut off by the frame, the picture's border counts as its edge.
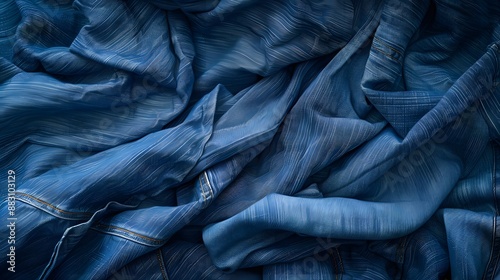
(247, 139)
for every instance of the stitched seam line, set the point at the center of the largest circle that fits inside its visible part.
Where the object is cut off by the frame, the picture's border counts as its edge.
(387, 46)
(126, 231)
(386, 54)
(202, 191)
(209, 185)
(161, 263)
(54, 207)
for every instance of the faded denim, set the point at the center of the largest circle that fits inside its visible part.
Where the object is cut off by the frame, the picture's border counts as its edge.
(158, 139)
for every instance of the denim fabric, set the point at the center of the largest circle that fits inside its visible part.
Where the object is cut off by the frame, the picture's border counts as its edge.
(247, 139)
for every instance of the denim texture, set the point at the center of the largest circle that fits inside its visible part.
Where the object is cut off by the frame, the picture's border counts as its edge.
(247, 139)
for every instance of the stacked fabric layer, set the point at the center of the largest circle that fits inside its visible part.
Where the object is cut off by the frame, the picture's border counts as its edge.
(247, 139)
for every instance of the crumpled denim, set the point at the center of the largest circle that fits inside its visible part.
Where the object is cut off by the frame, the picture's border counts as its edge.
(247, 139)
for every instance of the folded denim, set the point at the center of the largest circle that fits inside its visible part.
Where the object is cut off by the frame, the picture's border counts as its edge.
(159, 139)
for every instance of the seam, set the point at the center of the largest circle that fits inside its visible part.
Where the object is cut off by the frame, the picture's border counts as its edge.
(104, 228)
(387, 46)
(159, 257)
(205, 189)
(209, 185)
(386, 54)
(52, 206)
(201, 190)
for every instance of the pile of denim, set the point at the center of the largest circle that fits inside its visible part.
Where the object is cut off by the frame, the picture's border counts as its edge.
(250, 139)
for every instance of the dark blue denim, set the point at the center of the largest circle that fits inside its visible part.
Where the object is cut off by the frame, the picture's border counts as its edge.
(247, 139)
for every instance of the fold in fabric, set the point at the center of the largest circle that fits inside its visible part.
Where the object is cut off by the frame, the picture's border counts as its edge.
(247, 139)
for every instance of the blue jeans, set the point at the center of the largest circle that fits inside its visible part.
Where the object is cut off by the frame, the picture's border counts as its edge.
(158, 139)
